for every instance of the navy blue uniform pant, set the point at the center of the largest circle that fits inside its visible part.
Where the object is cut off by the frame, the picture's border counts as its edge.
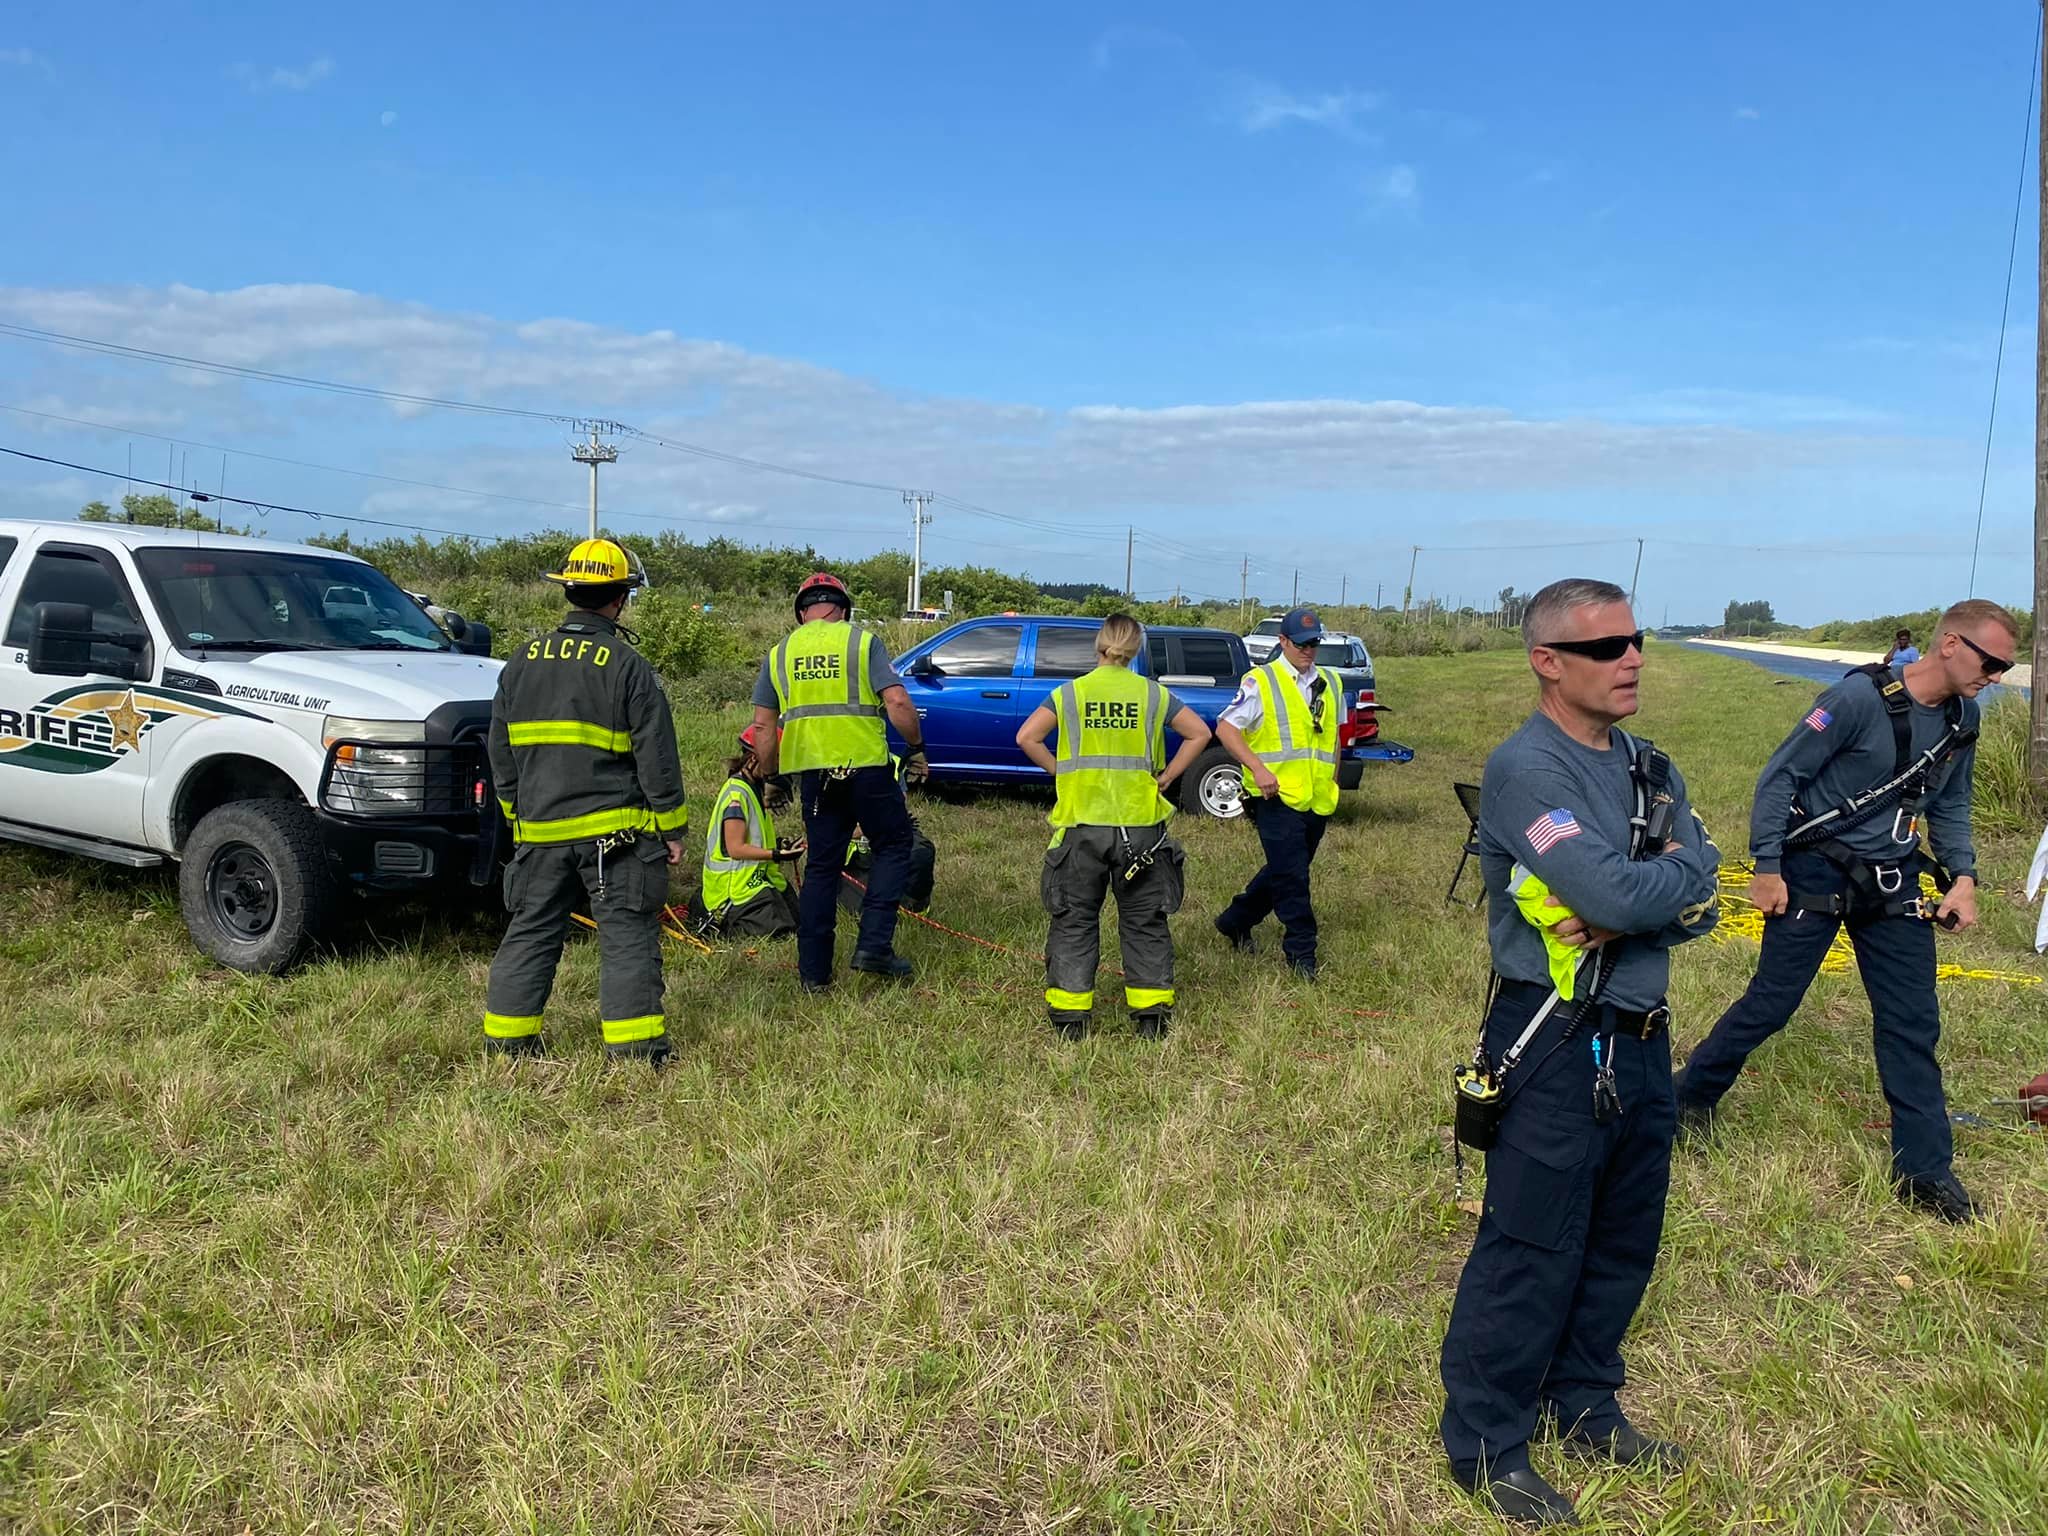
(1573, 1218)
(871, 799)
(1290, 839)
(1895, 956)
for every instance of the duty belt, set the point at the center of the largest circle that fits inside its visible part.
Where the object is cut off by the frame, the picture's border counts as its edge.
(1641, 1023)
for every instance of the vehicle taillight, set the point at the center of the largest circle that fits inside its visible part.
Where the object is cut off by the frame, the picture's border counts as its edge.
(1368, 719)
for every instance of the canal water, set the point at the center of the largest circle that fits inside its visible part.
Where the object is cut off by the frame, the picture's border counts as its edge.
(1822, 673)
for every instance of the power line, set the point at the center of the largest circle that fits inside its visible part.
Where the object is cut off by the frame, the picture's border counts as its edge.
(265, 507)
(2005, 303)
(271, 376)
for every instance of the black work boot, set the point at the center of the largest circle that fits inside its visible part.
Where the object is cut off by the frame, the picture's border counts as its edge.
(1942, 1196)
(886, 964)
(1695, 1124)
(1240, 939)
(514, 1045)
(1069, 1024)
(1153, 1023)
(654, 1052)
(1520, 1495)
(1626, 1446)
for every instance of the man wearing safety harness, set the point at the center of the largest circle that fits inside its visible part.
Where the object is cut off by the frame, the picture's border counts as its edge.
(830, 684)
(1835, 833)
(1282, 728)
(583, 751)
(1109, 830)
(1573, 1098)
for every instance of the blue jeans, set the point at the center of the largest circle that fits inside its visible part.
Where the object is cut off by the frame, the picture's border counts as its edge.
(1895, 956)
(871, 799)
(1290, 839)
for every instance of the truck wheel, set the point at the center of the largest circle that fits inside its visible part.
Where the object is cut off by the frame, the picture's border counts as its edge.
(1213, 786)
(254, 886)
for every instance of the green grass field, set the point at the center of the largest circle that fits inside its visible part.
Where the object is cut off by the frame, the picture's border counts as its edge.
(292, 1255)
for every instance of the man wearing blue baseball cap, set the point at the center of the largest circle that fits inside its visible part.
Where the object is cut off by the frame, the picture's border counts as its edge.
(1282, 728)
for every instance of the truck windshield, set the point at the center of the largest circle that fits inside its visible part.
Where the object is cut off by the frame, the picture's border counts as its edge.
(267, 600)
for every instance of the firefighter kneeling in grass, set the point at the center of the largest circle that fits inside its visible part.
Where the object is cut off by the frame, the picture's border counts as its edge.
(745, 892)
(583, 752)
(1109, 830)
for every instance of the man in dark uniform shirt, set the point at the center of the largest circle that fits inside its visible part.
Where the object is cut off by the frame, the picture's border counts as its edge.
(1575, 1184)
(1865, 873)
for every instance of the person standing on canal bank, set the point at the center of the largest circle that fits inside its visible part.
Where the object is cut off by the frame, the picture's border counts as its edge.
(1580, 1158)
(1834, 830)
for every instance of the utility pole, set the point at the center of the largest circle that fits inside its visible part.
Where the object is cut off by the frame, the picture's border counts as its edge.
(1129, 534)
(917, 501)
(1378, 589)
(1244, 575)
(1343, 587)
(1637, 573)
(1297, 589)
(594, 453)
(2037, 745)
(1408, 592)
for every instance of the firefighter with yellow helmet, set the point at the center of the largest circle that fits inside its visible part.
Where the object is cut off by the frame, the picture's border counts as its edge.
(583, 752)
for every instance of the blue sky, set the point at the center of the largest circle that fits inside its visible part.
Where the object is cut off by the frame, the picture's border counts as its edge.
(1309, 286)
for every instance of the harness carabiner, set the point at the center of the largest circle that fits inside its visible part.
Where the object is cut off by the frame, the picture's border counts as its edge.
(1911, 824)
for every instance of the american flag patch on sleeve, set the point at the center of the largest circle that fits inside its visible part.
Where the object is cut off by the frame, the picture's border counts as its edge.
(1820, 719)
(1550, 829)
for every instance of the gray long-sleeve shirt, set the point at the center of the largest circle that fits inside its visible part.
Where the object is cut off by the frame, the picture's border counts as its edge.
(1561, 809)
(1844, 747)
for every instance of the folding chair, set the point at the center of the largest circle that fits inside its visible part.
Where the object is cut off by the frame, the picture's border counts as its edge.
(1468, 801)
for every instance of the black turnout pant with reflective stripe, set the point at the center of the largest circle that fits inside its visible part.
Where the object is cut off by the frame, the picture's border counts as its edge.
(1574, 1215)
(1086, 866)
(541, 886)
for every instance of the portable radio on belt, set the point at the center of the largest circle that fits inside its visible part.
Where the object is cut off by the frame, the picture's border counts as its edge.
(1480, 1106)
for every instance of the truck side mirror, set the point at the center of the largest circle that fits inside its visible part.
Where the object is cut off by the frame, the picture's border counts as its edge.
(471, 639)
(60, 644)
(925, 667)
(454, 623)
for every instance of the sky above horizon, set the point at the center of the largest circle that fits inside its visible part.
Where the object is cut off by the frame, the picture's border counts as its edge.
(1297, 290)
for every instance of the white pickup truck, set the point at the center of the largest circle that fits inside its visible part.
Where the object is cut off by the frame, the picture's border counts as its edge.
(282, 721)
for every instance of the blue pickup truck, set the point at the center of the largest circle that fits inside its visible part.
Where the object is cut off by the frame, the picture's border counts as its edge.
(975, 683)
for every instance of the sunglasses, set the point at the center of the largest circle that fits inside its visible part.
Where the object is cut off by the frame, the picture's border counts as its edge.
(1994, 666)
(1606, 648)
(1307, 645)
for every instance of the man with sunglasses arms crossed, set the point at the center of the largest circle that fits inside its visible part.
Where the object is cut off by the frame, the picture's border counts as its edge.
(1835, 835)
(1581, 1160)
(1282, 729)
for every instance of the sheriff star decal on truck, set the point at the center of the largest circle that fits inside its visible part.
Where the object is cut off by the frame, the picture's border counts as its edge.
(82, 730)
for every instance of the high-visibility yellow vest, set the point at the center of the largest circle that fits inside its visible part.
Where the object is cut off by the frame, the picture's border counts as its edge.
(1112, 744)
(831, 714)
(1530, 896)
(732, 882)
(1301, 753)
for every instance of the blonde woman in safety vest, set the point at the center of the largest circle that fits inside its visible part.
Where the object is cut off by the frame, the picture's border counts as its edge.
(1109, 830)
(1282, 729)
(830, 686)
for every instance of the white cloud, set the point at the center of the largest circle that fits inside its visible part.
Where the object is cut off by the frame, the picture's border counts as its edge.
(1747, 114)
(1196, 470)
(387, 118)
(1395, 189)
(279, 78)
(25, 58)
(1262, 105)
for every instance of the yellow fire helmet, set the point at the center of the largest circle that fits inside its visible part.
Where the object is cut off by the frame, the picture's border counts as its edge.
(597, 563)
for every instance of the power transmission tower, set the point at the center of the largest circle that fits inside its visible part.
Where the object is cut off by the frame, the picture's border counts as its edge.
(917, 501)
(594, 453)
